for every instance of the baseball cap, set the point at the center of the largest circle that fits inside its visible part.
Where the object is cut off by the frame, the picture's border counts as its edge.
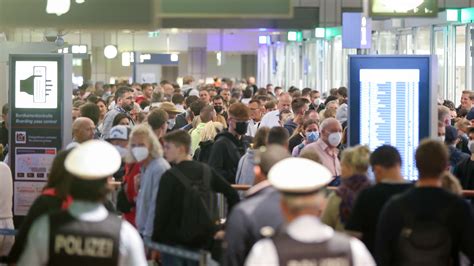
(119, 132)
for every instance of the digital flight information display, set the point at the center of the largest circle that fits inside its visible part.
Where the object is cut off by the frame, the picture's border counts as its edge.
(390, 102)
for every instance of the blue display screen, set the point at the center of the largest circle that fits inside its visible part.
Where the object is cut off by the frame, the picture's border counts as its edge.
(389, 103)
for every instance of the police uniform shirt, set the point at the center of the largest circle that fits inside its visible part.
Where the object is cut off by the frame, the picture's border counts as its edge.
(131, 250)
(306, 229)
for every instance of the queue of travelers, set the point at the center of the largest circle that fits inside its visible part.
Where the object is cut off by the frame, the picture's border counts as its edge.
(307, 198)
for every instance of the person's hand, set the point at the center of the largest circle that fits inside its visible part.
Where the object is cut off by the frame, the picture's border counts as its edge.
(155, 255)
(219, 235)
(136, 182)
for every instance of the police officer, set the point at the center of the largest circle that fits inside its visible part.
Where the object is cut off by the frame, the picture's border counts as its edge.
(305, 240)
(86, 233)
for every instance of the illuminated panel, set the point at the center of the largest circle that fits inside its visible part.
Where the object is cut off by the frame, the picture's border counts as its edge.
(389, 112)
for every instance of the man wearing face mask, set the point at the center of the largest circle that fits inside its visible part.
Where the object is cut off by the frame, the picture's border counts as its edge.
(465, 169)
(230, 145)
(123, 104)
(326, 145)
(221, 114)
(315, 97)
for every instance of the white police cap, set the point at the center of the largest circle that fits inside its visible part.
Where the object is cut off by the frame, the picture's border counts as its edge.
(94, 159)
(299, 176)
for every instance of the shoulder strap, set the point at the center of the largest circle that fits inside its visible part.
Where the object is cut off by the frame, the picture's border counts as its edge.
(183, 179)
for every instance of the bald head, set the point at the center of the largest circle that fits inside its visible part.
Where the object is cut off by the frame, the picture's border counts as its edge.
(284, 101)
(83, 129)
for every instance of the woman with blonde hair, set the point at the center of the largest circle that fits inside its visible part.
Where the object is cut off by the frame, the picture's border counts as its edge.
(208, 134)
(145, 149)
(354, 165)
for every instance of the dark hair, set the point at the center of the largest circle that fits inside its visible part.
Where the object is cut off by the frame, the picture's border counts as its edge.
(164, 82)
(306, 91)
(449, 104)
(121, 91)
(248, 92)
(190, 99)
(278, 135)
(239, 111)
(386, 156)
(309, 122)
(217, 97)
(342, 91)
(431, 157)
(177, 98)
(89, 190)
(255, 101)
(262, 92)
(59, 178)
(157, 118)
(179, 138)
(119, 117)
(92, 98)
(329, 99)
(144, 85)
(102, 101)
(277, 88)
(197, 106)
(297, 104)
(92, 111)
(5, 109)
(144, 104)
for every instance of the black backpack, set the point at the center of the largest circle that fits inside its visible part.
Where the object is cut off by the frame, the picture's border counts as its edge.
(424, 242)
(199, 216)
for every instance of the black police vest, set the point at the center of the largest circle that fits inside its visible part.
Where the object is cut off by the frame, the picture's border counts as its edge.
(336, 251)
(74, 242)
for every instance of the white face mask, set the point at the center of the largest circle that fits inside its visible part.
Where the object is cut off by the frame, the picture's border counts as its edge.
(317, 101)
(470, 145)
(441, 138)
(140, 153)
(122, 151)
(334, 139)
(171, 123)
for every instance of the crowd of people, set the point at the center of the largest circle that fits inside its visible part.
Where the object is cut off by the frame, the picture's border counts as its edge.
(310, 198)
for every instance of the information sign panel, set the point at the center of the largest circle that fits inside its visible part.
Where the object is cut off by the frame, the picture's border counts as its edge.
(392, 101)
(40, 121)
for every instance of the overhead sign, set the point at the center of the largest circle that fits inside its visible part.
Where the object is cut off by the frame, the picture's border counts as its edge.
(393, 101)
(40, 120)
(225, 9)
(403, 8)
(356, 31)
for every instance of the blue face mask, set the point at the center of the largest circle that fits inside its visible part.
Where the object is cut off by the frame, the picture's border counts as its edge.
(312, 136)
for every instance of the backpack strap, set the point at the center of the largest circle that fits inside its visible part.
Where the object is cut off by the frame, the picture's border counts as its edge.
(183, 179)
